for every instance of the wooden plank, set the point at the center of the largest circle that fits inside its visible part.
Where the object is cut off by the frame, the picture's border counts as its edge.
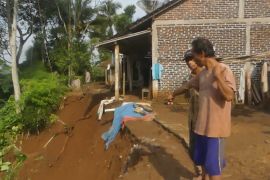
(117, 62)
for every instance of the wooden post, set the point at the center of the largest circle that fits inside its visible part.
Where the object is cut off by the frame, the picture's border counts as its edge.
(116, 66)
(130, 73)
(154, 58)
(110, 76)
(124, 77)
(106, 76)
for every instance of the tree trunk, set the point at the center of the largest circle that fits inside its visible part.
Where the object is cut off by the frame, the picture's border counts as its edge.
(69, 42)
(44, 36)
(19, 53)
(12, 23)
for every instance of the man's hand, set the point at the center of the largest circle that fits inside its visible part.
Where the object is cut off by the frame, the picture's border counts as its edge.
(170, 97)
(149, 117)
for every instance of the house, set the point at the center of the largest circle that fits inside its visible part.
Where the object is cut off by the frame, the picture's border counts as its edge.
(238, 28)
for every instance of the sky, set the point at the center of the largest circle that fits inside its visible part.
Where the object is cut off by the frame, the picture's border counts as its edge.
(139, 13)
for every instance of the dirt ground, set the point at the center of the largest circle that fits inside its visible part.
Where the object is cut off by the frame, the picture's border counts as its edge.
(78, 152)
(160, 155)
(248, 148)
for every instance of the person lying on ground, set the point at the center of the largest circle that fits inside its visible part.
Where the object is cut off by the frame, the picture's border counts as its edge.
(216, 85)
(127, 112)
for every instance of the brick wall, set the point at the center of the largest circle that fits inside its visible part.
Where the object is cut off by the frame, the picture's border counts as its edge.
(235, 66)
(173, 41)
(203, 9)
(230, 39)
(257, 8)
(260, 38)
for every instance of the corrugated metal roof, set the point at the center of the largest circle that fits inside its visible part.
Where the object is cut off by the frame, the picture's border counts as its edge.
(127, 36)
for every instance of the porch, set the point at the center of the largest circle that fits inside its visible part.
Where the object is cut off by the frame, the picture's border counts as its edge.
(130, 69)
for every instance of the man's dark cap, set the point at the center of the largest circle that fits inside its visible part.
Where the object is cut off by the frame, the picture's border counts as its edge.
(188, 55)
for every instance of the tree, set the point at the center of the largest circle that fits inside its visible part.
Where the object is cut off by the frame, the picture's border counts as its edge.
(2, 35)
(76, 17)
(109, 22)
(150, 5)
(5, 82)
(107, 12)
(27, 17)
(12, 30)
(122, 21)
(25, 20)
(43, 35)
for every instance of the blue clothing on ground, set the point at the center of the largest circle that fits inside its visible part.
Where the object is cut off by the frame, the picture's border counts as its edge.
(119, 114)
(157, 70)
(209, 153)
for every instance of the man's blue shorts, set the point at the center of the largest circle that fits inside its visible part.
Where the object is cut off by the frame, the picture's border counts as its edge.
(209, 153)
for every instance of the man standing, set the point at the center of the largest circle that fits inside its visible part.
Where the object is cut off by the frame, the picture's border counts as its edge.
(216, 85)
(193, 101)
(193, 98)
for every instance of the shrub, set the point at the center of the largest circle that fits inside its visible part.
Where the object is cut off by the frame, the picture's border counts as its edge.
(40, 98)
(41, 94)
(8, 117)
(10, 126)
(97, 73)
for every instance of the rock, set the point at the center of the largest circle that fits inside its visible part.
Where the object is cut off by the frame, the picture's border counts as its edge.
(76, 84)
(87, 77)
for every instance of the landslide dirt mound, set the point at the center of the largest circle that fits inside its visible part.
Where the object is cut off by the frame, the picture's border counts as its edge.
(76, 151)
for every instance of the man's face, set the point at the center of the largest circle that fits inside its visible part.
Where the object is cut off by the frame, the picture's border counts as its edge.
(199, 58)
(192, 65)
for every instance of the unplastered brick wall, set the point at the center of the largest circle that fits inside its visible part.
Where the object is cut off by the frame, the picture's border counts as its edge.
(175, 73)
(173, 41)
(234, 64)
(176, 29)
(257, 8)
(229, 39)
(260, 38)
(202, 9)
